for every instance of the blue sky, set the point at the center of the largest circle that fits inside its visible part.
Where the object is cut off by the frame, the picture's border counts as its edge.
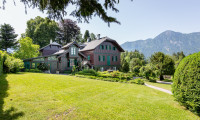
(140, 19)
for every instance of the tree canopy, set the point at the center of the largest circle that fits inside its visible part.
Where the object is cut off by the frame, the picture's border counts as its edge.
(84, 10)
(7, 37)
(86, 35)
(27, 49)
(178, 57)
(41, 30)
(93, 36)
(163, 63)
(69, 30)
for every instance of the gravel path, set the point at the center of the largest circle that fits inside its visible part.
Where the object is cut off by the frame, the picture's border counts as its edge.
(164, 82)
(158, 88)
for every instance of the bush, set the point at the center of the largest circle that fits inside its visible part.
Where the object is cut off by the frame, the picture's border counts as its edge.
(152, 80)
(88, 72)
(131, 81)
(12, 64)
(74, 69)
(137, 81)
(33, 70)
(68, 72)
(186, 83)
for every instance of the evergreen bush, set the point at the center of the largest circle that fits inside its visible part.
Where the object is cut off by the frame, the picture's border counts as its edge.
(186, 83)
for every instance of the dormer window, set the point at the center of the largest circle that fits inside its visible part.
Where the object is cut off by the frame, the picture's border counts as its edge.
(73, 50)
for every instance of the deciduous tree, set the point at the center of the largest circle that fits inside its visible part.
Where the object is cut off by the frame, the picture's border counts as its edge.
(27, 49)
(163, 63)
(69, 30)
(41, 30)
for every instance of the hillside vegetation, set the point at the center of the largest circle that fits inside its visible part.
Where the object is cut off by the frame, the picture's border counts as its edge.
(168, 42)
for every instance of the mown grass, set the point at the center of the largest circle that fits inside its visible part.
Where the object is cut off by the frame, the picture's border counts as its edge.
(40, 96)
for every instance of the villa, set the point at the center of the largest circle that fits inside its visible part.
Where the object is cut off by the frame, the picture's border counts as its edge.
(101, 54)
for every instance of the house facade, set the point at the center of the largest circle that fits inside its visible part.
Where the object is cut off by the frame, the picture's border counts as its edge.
(101, 54)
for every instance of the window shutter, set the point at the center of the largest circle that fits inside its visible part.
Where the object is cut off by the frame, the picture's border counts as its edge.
(103, 58)
(99, 58)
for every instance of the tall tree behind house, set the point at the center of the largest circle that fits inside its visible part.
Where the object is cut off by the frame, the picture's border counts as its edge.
(41, 30)
(68, 31)
(7, 37)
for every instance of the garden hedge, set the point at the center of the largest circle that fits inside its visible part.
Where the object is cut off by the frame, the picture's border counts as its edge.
(186, 83)
(1, 62)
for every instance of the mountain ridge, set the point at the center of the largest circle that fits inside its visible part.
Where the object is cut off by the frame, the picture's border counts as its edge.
(167, 42)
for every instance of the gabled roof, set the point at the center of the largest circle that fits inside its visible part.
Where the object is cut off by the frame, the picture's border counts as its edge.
(95, 43)
(70, 44)
(53, 43)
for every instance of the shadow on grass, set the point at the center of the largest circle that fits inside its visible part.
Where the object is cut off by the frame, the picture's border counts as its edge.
(11, 113)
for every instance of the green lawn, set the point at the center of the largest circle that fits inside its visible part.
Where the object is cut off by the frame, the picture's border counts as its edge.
(36, 96)
(164, 86)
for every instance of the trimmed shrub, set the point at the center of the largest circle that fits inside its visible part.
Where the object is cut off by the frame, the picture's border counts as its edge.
(186, 83)
(88, 72)
(68, 72)
(131, 81)
(152, 80)
(35, 70)
(137, 81)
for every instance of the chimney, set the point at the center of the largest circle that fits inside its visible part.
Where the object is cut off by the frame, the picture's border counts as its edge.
(98, 36)
(50, 41)
(89, 39)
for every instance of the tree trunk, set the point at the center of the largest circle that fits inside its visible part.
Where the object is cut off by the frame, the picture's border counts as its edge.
(161, 77)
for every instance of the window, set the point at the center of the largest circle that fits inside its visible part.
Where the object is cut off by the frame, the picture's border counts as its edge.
(114, 48)
(102, 46)
(88, 57)
(52, 58)
(73, 50)
(106, 47)
(114, 58)
(110, 47)
(101, 58)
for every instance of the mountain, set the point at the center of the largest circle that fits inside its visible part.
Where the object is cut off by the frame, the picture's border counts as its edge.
(167, 42)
